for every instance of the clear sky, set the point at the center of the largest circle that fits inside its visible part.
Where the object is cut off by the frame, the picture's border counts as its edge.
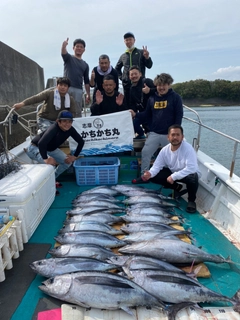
(190, 39)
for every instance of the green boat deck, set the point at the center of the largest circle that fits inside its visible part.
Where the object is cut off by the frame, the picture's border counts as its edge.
(223, 279)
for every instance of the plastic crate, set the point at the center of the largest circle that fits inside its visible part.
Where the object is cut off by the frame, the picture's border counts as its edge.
(97, 170)
(128, 163)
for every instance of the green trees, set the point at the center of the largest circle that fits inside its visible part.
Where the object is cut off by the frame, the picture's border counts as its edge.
(204, 89)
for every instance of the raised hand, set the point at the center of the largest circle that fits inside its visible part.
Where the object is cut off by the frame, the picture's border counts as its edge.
(65, 43)
(119, 99)
(145, 89)
(145, 52)
(99, 97)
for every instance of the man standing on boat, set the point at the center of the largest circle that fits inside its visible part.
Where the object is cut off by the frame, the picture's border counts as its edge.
(77, 70)
(132, 57)
(55, 100)
(44, 148)
(177, 162)
(164, 108)
(98, 73)
(109, 100)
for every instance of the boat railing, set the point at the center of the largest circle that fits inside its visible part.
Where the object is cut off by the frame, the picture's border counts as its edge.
(31, 127)
(196, 141)
(13, 117)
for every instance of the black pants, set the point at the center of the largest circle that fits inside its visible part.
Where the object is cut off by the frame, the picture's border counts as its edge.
(191, 182)
(126, 89)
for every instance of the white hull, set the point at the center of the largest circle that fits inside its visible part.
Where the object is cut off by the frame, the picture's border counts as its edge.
(218, 197)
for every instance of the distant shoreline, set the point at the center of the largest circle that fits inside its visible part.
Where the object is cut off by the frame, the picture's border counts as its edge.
(210, 103)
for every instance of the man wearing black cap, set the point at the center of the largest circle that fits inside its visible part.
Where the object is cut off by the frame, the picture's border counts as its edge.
(132, 57)
(44, 148)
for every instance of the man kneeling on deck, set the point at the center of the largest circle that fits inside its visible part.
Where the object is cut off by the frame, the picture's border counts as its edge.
(44, 148)
(177, 162)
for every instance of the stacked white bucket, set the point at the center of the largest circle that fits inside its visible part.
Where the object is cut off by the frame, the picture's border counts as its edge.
(11, 242)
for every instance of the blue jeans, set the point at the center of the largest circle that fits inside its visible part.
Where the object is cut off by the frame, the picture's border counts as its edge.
(44, 124)
(34, 154)
(77, 94)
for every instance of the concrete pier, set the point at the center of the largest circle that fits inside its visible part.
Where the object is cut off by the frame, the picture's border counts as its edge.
(20, 78)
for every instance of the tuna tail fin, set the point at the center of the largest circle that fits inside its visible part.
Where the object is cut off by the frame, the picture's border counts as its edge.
(234, 268)
(236, 298)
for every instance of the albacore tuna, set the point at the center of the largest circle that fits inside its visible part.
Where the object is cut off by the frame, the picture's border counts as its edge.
(173, 287)
(148, 199)
(102, 290)
(145, 226)
(173, 251)
(56, 266)
(90, 225)
(90, 237)
(82, 250)
(99, 216)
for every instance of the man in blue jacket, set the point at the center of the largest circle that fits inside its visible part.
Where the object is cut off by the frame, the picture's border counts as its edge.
(164, 108)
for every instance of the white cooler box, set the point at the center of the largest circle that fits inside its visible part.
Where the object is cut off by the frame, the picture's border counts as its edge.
(28, 194)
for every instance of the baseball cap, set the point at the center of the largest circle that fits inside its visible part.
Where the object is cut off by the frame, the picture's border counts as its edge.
(128, 35)
(65, 115)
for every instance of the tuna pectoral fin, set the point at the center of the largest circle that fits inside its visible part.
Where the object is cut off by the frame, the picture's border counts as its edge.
(173, 309)
(129, 311)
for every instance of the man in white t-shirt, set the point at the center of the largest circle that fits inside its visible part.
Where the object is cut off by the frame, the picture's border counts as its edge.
(176, 162)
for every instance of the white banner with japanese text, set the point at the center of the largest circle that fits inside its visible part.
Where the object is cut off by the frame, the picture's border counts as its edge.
(109, 133)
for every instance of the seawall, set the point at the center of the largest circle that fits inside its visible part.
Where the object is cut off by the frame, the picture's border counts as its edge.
(20, 77)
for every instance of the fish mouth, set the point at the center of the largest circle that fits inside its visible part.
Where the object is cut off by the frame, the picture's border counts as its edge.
(43, 288)
(32, 266)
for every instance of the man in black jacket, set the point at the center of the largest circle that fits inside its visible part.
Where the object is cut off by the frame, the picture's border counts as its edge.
(132, 56)
(109, 100)
(141, 89)
(44, 147)
(98, 73)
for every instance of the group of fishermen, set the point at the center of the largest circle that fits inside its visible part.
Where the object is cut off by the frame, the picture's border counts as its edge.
(157, 113)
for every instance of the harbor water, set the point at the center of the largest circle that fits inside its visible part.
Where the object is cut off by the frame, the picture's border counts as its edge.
(224, 119)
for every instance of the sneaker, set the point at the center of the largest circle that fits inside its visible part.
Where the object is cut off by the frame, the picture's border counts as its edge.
(191, 207)
(58, 184)
(139, 181)
(140, 137)
(57, 193)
